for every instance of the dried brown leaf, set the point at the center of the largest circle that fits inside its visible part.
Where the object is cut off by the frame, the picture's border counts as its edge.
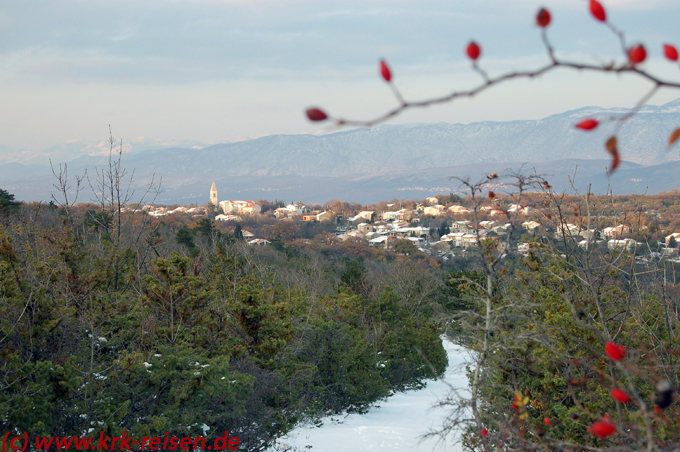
(674, 137)
(612, 143)
(612, 148)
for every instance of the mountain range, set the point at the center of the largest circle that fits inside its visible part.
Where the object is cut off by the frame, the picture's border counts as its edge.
(390, 161)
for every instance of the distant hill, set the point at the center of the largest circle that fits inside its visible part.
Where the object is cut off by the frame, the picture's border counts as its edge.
(397, 161)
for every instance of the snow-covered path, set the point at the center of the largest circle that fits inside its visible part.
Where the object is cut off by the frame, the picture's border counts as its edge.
(397, 424)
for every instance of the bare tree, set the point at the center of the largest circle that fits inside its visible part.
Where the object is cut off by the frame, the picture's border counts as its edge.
(112, 189)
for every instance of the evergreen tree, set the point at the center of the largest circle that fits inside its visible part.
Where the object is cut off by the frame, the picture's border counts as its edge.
(238, 232)
(7, 202)
(185, 237)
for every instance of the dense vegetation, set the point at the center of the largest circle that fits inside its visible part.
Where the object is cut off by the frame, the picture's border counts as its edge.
(113, 322)
(547, 379)
(574, 345)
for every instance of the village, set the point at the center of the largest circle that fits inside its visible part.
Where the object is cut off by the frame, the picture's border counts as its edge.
(439, 226)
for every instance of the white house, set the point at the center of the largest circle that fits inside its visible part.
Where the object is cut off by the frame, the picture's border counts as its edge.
(675, 235)
(517, 208)
(365, 228)
(297, 207)
(366, 214)
(434, 210)
(568, 229)
(532, 226)
(464, 240)
(669, 252)
(222, 217)
(378, 240)
(627, 244)
(281, 212)
(502, 229)
(488, 224)
(418, 241)
(403, 214)
(325, 216)
(459, 209)
(620, 231)
(460, 225)
(240, 207)
(258, 242)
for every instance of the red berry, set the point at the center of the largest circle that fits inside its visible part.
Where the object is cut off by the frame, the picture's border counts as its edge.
(637, 54)
(492, 195)
(473, 50)
(547, 421)
(385, 71)
(602, 429)
(597, 10)
(315, 114)
(620, 396)
(671, 52)
(587, 124)
(543, 17)
(614, 351)
(484, 431)
(574, 416)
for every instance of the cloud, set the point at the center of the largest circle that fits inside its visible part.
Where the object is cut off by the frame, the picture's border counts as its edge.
(124, 34)
(190, 41)
(209, 69)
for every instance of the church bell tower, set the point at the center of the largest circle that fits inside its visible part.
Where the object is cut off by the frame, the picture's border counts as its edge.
(213, 194)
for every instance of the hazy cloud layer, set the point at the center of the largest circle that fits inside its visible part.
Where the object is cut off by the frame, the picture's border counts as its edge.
(90, 59)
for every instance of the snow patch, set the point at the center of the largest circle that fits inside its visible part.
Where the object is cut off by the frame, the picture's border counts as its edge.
(397, 424)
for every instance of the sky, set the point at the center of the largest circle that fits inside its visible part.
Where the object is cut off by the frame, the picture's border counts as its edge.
(223, 70)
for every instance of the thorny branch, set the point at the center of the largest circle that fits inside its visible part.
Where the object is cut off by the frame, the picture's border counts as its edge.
(628, 66)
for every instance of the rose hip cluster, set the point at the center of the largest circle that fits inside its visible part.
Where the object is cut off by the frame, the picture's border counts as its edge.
(635, 54)
(603, 428)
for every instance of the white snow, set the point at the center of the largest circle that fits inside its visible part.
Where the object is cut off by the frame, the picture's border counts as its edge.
(397, 424)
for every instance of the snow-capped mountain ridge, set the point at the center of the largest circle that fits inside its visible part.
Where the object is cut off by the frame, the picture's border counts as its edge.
(282, 162)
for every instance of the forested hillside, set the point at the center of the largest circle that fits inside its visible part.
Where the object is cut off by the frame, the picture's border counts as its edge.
(109, 324)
